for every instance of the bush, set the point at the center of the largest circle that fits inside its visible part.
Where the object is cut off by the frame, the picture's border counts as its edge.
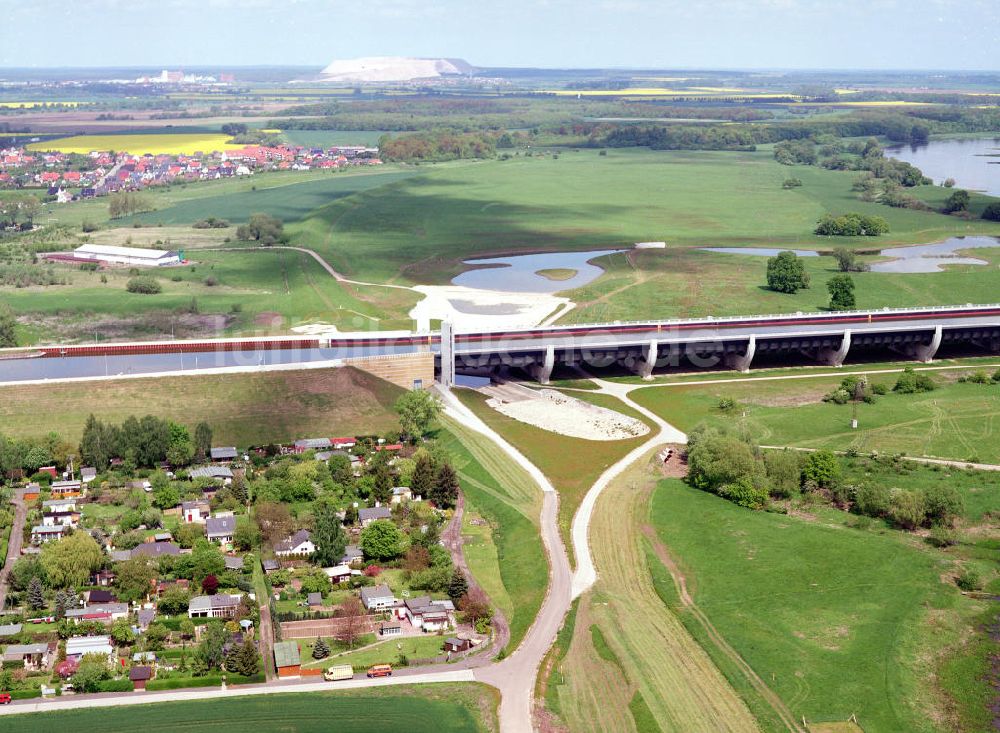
(872, 500)
(941, 536)
(910, 382)
(992, 212)
(791, 183)
(944, 504)
(115, 686)
(822, 468)
(784, 472)
(969, 580)
(211, 281)
(907, 508)
(144, 284)
(745, 492)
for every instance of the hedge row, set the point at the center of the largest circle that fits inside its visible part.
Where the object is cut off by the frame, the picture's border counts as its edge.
(25, 694)
(115, 686)
(177, 683)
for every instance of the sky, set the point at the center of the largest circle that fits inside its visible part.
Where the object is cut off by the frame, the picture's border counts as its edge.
(734, 34)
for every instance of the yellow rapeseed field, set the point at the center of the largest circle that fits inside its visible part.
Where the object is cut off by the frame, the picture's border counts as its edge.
(30, 105)
(170, 143)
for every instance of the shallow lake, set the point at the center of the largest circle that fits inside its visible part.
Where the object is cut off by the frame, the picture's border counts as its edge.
(973, 163)
(519, 273)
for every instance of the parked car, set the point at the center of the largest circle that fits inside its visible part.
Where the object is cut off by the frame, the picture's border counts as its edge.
(380, 670)
(4, 698)
(339, 672)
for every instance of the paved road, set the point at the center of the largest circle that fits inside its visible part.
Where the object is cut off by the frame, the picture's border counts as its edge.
(16, 539)
(515, 676)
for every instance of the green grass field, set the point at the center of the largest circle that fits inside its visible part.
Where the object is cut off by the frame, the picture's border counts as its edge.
(421, 709)
(289, 203)
(836, 621)
(422, 226)
(955, 421)
(243, 409)
(503, 494)
(259, 291)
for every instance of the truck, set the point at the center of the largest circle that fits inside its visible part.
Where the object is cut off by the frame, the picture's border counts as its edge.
(339, 672)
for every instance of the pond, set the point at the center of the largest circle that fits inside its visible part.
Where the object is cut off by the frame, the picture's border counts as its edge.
(974, 163)
(549, 272)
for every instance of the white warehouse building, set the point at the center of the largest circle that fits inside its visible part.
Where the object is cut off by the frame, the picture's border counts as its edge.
(131, 256)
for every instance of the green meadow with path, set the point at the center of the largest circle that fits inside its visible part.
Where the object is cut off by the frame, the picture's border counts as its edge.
(955, 421)
(835, 620)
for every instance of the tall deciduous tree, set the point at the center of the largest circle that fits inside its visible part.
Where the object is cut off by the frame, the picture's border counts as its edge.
(70, 561)
(417, 410)
(786, 273)
(841, 289)
(351, 623)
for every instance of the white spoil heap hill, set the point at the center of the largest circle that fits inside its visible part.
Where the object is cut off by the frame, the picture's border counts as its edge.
(392, 68)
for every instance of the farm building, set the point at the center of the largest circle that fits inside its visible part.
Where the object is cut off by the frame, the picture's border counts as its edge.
(126, 256)
(287, 659)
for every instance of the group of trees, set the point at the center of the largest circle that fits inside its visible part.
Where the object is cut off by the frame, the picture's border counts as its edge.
(786, 273)
(438, 145)
(140, 442)
(19, 211)
(24, 456)
(126, 203)
(262, 228)
(735, 468)
(851, 225)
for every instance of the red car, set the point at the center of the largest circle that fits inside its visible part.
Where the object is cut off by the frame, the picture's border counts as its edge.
(4, 698)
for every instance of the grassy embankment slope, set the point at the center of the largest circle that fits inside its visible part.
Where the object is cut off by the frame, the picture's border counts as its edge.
(507, 557)
(836, 621)
(421, 709)
(571, 464)
(954, 421)
(243, 409)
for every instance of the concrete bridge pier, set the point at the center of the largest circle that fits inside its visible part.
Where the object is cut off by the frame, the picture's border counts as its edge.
(542, 371)
(835, 357)
(742, 363)
(643, 366)
(923, 352)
